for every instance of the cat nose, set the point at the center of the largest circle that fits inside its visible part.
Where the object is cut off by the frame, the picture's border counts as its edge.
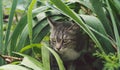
(58, 45)
(58, 48)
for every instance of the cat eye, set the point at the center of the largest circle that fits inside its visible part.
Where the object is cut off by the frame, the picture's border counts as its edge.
(53, 40)
(66, 41)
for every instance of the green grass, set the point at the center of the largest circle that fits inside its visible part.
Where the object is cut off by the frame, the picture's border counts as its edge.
(27, 38)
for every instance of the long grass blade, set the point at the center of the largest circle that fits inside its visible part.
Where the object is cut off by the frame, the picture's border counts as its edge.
(104, 37)
(45, 58)
(116, 33)
(12, 67)
(12, 12)
(1, 31)
(1, 27)
(19, 30)
(98, 9)
(40, 30)
(59, 61)
(29, 16)
(22, 39)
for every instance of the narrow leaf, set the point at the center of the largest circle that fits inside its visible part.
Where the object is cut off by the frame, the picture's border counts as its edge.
(12, 67)
(116, 33)
(1, 30)
(98, 9)
(19, 29)
(31, 62)
(1, 26)
(45, 58)
(29, 15)
(95, 24)
(12, 12)
(59, 61)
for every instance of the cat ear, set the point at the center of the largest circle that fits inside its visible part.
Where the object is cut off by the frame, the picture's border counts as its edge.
(51, 22)
(74, 27)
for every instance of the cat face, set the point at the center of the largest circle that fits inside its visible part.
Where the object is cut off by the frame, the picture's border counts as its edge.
(63, 35)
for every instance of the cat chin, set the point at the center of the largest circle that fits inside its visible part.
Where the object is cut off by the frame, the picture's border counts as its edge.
(68, 54)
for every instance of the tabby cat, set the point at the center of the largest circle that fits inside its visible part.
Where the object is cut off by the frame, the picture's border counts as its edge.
(67, 40)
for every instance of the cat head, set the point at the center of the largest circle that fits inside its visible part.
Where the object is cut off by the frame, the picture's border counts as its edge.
(68, 25)
(63, 35)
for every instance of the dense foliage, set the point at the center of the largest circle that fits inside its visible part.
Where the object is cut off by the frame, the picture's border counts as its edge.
(24, 31)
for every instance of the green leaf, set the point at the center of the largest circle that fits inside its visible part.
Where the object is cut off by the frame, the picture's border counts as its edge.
(31, 62)
(45, 58)
(95, 23)
(1, 27)
(86, 4)
(19, 31)
(98, 9)
(22, 39)
(59, 61)
(45, 55)
(39, 10)
(12, 12)
(30, 46)
(12, 67)
(116, 3)
(40, 30)
(29, 19)
(116, 33)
